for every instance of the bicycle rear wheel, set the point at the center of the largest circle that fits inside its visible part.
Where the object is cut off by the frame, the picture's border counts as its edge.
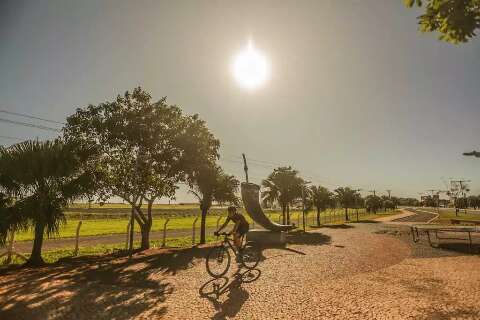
(250, 256)
(218, 261)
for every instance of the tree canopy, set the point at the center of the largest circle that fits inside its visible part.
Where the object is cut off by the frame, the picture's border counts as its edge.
(455, 20)
(284, 186)
(43, 177)
(143, 149)
(210, 183)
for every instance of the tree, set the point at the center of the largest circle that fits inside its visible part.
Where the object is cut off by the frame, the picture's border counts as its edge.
(209, 183)
(143, 149)
(373, 203)
(45, 177)
(346, 196)
(474, 201)
(321, 198)
(456, 20)
(283, 185)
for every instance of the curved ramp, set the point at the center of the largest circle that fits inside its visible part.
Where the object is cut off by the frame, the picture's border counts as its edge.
(250, 197)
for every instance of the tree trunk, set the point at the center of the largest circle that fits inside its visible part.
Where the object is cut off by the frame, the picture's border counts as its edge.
(346, 214)
(36, 256)
(145, 231)
(284, 207)
(288, 214)
(318, 217)
(202, 225)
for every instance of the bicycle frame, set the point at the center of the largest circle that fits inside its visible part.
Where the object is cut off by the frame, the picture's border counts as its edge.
(228, 241)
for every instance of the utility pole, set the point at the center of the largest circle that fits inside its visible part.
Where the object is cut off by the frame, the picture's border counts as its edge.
(389, 192)
(245, 167)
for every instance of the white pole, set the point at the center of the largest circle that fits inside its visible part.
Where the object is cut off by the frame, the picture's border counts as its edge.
(77, 238)
(165, 232)
(193, 231)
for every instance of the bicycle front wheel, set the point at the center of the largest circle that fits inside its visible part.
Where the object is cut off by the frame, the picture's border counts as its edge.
(250, 256)
(218, 261)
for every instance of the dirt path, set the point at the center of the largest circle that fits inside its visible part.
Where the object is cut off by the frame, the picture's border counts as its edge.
(419, 216)
(344, 272)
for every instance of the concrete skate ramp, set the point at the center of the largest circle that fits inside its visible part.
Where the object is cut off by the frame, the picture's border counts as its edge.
(251, 201)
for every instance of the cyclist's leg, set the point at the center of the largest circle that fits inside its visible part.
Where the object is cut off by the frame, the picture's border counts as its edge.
(237, 240)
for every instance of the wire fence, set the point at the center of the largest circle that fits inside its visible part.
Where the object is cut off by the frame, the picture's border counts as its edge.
(169, 235)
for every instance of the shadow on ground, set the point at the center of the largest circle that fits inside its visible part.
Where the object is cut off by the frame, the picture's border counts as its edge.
(94, 287)
(236, 295)
(308, 238)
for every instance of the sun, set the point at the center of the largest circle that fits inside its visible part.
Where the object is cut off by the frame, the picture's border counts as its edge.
(251, 68)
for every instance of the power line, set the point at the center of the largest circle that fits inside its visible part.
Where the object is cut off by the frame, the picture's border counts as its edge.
(31, 125)
(12, 138)
(31, 117)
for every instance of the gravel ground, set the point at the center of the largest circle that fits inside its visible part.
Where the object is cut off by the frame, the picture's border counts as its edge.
(369, 271)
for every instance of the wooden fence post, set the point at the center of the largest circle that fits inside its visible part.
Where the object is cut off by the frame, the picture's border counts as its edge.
(77, 236)
(165, 232)
(193, 231)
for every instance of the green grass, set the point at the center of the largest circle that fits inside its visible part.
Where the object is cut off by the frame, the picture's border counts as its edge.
(106, 226)
(92, 227)
(54, 255)
(447, 214)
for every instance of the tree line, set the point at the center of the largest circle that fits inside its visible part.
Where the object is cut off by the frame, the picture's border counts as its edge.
(140, 151)
(286, 188)
(131, 148)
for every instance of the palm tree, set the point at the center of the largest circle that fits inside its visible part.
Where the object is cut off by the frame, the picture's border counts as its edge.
(321, 198)
(346, 196)
(45, 177)
(373, 203)
(210, 183)
(283, 185)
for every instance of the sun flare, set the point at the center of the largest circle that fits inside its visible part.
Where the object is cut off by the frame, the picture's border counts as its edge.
(251, 68)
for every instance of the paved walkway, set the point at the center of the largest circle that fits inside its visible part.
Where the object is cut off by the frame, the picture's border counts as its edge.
(341, 272)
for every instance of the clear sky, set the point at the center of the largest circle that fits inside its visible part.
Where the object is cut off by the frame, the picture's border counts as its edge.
(356, 96)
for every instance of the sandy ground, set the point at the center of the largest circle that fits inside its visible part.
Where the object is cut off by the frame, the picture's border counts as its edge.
(364, 272)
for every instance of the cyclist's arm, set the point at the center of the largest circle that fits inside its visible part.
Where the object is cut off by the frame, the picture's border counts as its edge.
(235, 227)
(224, 224)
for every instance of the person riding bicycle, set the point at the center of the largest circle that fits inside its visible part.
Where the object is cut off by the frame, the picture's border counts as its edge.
(241, 226)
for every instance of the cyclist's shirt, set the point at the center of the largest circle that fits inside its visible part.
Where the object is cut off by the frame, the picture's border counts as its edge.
(238, 218)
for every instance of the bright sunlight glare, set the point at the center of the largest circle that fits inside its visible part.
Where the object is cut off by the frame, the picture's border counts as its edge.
(250, 68)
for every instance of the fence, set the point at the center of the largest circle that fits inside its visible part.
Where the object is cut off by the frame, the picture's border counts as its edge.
(168, 236)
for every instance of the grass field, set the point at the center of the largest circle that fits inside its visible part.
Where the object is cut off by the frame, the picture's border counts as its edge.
(447, 214)
(92, 227)
(54, 255)
(112, 226)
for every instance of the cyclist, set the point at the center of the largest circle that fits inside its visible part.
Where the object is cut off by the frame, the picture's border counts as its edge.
(241, 226)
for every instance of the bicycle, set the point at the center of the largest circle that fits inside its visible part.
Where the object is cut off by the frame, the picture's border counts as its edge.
(219, 258)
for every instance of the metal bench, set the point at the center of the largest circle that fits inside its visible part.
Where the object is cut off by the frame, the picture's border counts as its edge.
(436, 229)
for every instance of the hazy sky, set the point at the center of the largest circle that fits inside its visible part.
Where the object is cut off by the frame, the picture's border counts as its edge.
(356, 97)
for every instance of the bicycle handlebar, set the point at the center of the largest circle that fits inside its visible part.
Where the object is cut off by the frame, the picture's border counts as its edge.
(222, 233)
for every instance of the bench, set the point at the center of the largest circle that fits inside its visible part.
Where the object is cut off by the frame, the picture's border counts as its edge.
(436, 229)
(464, 221)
